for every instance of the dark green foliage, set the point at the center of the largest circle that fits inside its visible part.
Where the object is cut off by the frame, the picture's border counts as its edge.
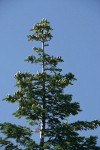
(19, 133)
(42, 101)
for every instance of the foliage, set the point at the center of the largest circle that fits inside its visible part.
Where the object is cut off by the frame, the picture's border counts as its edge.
(42, 101)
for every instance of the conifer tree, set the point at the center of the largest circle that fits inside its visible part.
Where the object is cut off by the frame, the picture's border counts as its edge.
(43, 103)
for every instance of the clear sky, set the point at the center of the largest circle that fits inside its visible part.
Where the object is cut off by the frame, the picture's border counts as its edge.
(76, 25)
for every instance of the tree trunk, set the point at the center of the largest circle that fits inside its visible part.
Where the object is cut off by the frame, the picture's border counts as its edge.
(43, 107)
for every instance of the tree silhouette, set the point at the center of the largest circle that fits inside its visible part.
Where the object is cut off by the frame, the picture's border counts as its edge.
(43, 103)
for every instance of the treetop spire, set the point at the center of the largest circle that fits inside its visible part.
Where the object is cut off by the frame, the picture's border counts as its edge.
(42, 31)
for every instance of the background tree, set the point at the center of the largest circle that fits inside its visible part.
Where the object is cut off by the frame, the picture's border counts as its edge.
(42, 101)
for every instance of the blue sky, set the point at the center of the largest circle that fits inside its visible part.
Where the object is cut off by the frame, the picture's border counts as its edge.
(76, 25)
